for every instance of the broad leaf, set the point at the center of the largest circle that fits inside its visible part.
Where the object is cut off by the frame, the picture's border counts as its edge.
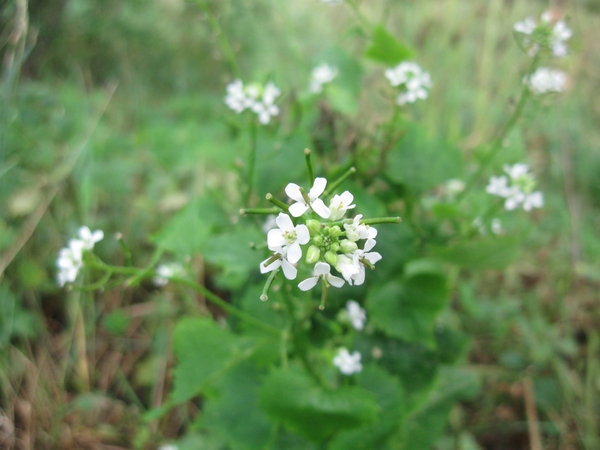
(293, 398)
(386, 49)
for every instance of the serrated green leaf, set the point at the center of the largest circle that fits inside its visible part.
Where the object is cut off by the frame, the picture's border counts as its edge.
(486, 252)
(234, 413)
(386, 49)
(407, 309)
(203, 350)
(293, 398)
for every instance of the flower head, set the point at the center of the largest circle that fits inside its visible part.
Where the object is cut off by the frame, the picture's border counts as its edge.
(520, 190)
(69, 261)
(339, 204)
(548, 33)
(164, 272)
(346, 362)
(356, 314)
(289, 237)
(311, 200)
(411, 79)
(321, 270)
(321, 75)
(88, 238)
(545, 80)
(255, 97)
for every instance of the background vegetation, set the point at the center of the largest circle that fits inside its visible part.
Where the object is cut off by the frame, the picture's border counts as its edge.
(112, 116)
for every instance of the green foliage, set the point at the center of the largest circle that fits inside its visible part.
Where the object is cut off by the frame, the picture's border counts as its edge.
(291, 397)
(386, 49)
(494, 252)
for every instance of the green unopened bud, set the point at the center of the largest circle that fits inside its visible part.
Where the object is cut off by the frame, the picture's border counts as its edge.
(318, 240)
(331, 257)
(348, 246)
(313, 254)
(335, 231)
(314, 226)
(335, 247)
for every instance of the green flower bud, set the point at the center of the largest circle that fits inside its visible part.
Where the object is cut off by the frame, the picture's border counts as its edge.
(318, 240)
(313, 254)
(348, 246)
(314, 226)
(335, 231)
(331, 257)
(335, 247)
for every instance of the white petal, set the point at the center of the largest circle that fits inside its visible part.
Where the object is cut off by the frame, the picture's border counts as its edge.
(294, 253)
(372, 257)
(369, 244)
(289, 271)
(309, 283)
(284, 222)
(318, 188)
(293, 191)
(85, 233)
(298, 208)
(319, 207)
(274, 265)
(321, 268)
(302, 234)
(275, 239)
(335, 281)
(97, 236)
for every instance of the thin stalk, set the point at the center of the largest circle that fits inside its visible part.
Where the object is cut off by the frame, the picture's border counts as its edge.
(311, 175)
(361, 17)
(265, 211)
(277, 202)
(333, 186)
(251, 172)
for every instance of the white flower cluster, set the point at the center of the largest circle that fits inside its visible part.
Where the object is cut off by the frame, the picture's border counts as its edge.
(321, 75)
(520, 191)
(259, 99)
(330, 244)
(70, 258)
(548, 33)
(411, 79)
(347, 363)
(545, 80)
(165, 272)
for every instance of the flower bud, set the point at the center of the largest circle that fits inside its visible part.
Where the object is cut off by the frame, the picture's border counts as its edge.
(313, 254)
(314, 226)
(318, 240)
(335, 247)
(335, 231)
(331, 257)
(348, 246)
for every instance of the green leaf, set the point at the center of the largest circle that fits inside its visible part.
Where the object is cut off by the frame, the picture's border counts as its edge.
(290, 396)
(234, 413)
(187, 232)
(386, 49)
(407, 309)
(203, 350)
(389, 395)
(485, 252)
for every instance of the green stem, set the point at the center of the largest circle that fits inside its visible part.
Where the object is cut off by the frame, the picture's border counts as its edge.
(277, 202)
(333, 186)
(311, 176)
(251, 163)
(375, 221)
(360, 16)
(266, 211)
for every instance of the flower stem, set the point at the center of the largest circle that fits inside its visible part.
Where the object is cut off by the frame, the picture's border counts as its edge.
(251, 163)
(264, 296)
(333, 186)
(311, 176)
(277, 202)
(246, 211)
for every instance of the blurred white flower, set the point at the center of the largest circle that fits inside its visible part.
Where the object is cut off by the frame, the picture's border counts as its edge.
(496, 226)
(332, 2)
(520, 190)
(254, 97)
(321, 270)
(545, 80)
(526, 26)
(356, 314)
(413, 82)
(236, 98)
(88, 238)
(552, 34)
(69, 261)
(314, 202)
(321, 75)
(346, 362)
(166, 271)
(266, 108)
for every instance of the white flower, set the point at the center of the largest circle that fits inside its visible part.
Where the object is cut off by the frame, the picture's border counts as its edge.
(258, 99)
(347, 267)
(314, 202)
(496, 226)
(168, 447)
(356, 314)
(266, 108)
(321, 270)
(533, 200)
(498, 186)
(332, 2)
(276, 261)
(346, 362)
(69, 261)
(359, 257)
(164, 272)
(520, 191)
(526, 26)
(236, 98)
(559, 33)
(339, 204)
(411, 79)
(356, 230)
(320, 75)
(288, 237)
(545, 80)
(454, 187)
(88, 238)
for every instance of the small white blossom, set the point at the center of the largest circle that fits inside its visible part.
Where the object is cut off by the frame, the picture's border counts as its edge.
(288, 237)
(339, 204)
(413, 81)
(321, 75)
(545, 80)
(526, 26)
(359, 257)
(520, 190)
(321, 270)
(266, 108)
(356, 230)
(346, 362)
(69, 261)
(276, 261)
(347, 267)
(165, 272)
(315, 203)
(559, 33)
(88, 238)
(498, 186)
(356, 314)
(496, 226)
(236, 98)
(260, 100)
(454, 187)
